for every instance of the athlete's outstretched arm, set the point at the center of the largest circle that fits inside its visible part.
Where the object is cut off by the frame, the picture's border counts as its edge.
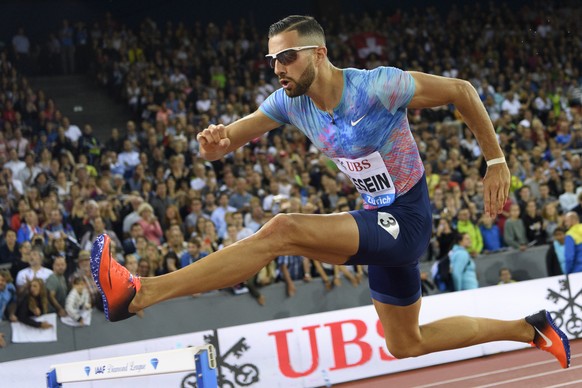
(432, 91)
(218, 140)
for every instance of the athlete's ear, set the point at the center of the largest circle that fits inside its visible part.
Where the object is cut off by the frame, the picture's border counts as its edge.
(320, 55)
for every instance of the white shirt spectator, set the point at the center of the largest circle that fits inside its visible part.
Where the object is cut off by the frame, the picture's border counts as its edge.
(20, 145)
(511, 106)
(27, 175)
(568, 201)
(27, 274)
(197, 184)
(15, 166)
(177, 78)
(21, 43)
(128, 158)
(203, 105)
(73, 133)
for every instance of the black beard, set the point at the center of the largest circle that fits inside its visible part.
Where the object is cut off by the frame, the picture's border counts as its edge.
(304, 82)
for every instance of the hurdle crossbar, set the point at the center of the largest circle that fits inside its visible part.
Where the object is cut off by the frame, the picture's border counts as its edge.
(201, 359)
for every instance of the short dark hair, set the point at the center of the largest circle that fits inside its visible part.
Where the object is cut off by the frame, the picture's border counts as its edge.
(304, 25)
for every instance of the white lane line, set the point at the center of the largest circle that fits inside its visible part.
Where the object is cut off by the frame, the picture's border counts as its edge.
(470, 377)
(527, 377)
(573, 383)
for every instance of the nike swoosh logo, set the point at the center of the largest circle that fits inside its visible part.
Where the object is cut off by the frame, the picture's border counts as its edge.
(548, 341)
(354, 123)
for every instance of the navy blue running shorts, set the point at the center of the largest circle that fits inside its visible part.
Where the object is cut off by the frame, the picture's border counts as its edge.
(392, 240)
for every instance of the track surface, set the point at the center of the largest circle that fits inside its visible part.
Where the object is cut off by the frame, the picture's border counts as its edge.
(530, 368)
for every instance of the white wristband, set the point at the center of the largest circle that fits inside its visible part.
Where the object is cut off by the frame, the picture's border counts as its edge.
(496, 161)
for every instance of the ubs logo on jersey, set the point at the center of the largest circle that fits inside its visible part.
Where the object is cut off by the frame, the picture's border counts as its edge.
(357, 166)
(389, 223)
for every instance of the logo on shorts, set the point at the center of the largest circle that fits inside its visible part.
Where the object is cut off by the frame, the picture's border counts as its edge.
(389, 223)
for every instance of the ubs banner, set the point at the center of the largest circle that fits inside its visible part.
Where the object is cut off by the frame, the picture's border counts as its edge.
(318, 349)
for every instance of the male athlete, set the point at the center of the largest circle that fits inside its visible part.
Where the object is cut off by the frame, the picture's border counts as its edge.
(358, 119)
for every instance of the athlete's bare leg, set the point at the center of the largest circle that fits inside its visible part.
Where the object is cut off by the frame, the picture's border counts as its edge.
(331, 238)
(406, 338)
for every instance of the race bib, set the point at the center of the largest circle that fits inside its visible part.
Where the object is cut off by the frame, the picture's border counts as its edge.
(370, 177)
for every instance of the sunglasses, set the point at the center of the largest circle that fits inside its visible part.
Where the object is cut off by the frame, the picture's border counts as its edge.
(287, 56)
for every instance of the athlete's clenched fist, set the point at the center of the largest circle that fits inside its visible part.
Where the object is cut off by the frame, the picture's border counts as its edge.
(213, 142)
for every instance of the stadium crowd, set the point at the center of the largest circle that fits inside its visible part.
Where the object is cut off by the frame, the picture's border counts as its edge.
(165, 207)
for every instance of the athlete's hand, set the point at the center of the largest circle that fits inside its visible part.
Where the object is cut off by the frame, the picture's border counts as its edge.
(213, 142)
(496, 188)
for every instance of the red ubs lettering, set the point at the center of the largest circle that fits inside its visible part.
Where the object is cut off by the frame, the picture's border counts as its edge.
(359, 166)
(339, 346)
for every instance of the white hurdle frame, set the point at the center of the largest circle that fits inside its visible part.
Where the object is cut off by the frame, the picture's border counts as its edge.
(201, 359)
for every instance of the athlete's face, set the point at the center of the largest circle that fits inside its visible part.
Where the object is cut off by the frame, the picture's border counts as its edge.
(297, 76)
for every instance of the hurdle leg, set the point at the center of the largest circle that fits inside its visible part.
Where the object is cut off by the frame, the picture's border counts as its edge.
(205, 374)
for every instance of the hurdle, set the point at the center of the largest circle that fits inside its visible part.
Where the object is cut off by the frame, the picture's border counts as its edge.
(201, 359)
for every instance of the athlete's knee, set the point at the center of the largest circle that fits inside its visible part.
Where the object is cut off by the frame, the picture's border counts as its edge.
(405, 348)
(281, 230)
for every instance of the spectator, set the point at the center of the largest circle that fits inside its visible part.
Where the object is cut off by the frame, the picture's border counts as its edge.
(556, 254)
(578, 207)
(130, 244)
(55, 224)
(28, 174)
(256, 218)
(241, 198)
(160, 201)
(9, 249)
(22, 147)
(193, 253)
(84, 272)
(546, 196)
(150, 225)
(144, 268)
(8, 298)
(534, 224)
(492, 240)
(33, 303)
(78, 301)
(15, 186)
(128, 158)
(141, 247)
(62, 245)
(505, 276)
(218, 215)
(170, 262)
(514, 233)
(172, 217)
(72, 132)
(21, 47)
(97, 229)
(551, 219)
(241, 230)
(175, 242)
(22, 260)
(445, 237)
(131, 264)
(195, 213)
(573, 243)
(67, 48)
(462, 265)
(466, 225)
(57, 287)
(34, 271)
(568, 199)
(291, 269)
(14, 164)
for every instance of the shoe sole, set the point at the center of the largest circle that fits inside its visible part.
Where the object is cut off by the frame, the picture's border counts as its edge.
(564, 339)
(100, 249)
(96, 257)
